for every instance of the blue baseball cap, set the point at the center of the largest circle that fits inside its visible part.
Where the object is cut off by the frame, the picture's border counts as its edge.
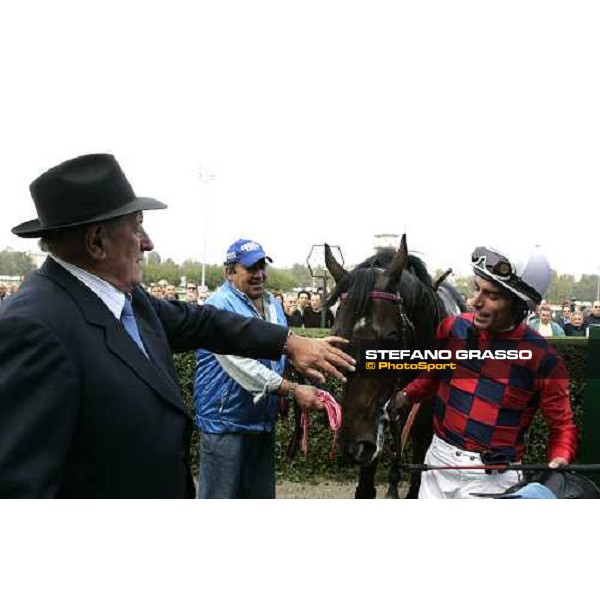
(246, 252)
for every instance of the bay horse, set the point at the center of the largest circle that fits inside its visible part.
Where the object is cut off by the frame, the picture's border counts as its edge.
(389, 297)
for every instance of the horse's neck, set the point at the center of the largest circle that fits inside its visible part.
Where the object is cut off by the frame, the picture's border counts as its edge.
(422, 307)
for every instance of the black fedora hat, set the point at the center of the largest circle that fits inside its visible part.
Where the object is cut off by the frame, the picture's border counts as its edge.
(82, 190)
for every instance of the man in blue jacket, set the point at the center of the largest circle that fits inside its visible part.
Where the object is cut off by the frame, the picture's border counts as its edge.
(237, 398)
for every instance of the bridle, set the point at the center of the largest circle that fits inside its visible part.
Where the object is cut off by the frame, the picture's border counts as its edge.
(406, 329)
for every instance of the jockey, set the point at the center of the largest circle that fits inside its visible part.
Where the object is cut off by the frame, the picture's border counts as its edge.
(485, 406)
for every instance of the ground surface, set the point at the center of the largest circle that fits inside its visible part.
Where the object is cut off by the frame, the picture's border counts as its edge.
(324, 489)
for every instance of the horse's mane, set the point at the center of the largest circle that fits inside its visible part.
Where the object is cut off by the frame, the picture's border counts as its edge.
(381, 260)
(418, 268)
(384, 257)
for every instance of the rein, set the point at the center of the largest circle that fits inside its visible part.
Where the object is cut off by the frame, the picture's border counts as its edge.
(334, 416)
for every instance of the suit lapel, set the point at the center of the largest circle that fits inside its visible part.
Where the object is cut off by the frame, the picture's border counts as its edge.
(117, 339)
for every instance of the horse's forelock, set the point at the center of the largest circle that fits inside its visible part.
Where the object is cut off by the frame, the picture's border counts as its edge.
(358, 285)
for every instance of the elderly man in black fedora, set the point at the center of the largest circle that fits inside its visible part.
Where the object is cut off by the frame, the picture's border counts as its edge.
(89, 403)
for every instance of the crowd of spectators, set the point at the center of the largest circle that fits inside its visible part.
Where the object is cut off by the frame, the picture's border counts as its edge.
(302, 309)
(7, 290)
(306, 310)
(192, 293)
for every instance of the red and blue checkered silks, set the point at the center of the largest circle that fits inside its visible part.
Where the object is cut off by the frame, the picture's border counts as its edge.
(488, 405)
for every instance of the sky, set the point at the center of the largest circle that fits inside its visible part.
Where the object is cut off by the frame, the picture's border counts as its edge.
(298, 123)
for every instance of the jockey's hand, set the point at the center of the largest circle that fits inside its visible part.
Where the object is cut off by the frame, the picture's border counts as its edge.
(559, 461)
(310, 357)
(306, 397)
(395, 406)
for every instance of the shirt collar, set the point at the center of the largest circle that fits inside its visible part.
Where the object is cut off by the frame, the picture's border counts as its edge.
(266, 296)
(113, 298)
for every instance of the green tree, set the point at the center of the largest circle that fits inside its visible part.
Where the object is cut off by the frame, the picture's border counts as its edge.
(214, 276)
(166, 270)
(153, 258)
(281, 279)
(586, 288)
(301, 275)
(463, 284)
(13, 262)
(561, 288)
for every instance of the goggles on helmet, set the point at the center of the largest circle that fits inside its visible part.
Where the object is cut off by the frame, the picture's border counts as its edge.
(493, 262)
(503, 271)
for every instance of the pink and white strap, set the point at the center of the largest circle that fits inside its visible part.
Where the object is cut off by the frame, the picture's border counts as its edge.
(334, 415)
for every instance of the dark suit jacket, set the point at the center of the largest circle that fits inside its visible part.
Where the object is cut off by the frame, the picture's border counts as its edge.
(83, 413)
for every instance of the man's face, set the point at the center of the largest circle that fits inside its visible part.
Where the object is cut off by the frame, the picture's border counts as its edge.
(250, 280)
(576, 320)
(171, 293)
(156, 291)
(126, 243)
(2, 290)
(303, 301)
(289, 304)
(191, 292)
(315, 302)
(566, 311)
(494, 309)
(545, 315)
(596, 309)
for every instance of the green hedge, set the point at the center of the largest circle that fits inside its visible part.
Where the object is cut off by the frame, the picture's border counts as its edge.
(318, 465)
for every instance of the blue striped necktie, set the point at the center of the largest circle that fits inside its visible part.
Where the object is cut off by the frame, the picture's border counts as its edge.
(128, 320)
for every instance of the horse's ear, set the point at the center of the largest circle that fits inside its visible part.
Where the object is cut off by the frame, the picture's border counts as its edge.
(398, 264)
(333, 266)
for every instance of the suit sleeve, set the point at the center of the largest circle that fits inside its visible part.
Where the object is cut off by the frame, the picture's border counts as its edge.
(189, 327)
(38, 409)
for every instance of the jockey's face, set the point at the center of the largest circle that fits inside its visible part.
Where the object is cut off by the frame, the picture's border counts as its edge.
(494, 308)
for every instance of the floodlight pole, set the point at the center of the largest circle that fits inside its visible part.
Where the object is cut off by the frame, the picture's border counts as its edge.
(206, 177)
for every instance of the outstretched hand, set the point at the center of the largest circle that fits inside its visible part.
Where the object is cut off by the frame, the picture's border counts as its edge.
(311, 357)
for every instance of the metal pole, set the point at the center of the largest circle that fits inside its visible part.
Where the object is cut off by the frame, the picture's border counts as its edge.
(206, 177)
(323, 311)
(204, 252)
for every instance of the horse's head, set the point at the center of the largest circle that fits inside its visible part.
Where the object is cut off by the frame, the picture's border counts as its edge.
(371, 308)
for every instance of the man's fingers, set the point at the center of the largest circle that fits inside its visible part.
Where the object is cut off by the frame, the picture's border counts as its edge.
(314, 375)
(343, 361)
(329, 368)
(334, 339)
(348, 361)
